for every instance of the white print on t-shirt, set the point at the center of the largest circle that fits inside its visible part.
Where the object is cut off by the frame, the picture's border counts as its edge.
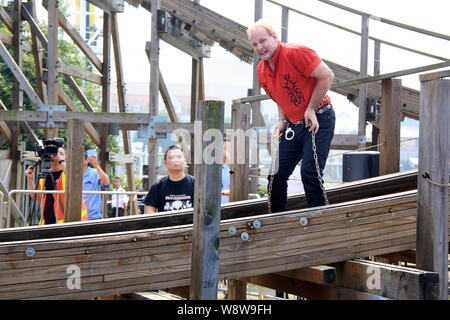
(177, 202)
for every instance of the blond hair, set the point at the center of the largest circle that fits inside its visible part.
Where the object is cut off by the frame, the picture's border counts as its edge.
(261, 24)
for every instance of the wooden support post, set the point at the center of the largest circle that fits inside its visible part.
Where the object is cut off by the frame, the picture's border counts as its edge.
(390, 126)
(37, 55)
(206, 231)
(434, 150)
(52, 58)
(194, 103)
(106, 97)
(363, 87)
(154, 86)
(122, 108)
(17, 103)
(74, 170)
(257, 118)
(239, 163)
(393, 282)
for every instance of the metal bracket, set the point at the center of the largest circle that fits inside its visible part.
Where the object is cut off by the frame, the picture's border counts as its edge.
(50, 109)
(148, 131)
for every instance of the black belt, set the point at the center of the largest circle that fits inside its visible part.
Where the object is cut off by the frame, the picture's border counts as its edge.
(319, 111)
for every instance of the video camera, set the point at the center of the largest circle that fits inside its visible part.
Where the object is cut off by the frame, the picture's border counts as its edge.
(50, 148)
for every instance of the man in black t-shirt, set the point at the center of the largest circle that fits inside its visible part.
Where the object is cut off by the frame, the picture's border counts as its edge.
(174, 191)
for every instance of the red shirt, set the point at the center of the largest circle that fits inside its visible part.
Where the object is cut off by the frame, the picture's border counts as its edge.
(290, 84)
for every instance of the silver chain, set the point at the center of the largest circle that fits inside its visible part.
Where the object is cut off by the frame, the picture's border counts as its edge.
(274, 162)
(316, 160)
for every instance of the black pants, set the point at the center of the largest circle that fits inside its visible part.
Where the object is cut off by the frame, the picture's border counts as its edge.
(116, 212)
(291, 152)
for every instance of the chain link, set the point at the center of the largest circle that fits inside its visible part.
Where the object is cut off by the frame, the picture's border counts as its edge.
(316, 160)
(274, 162)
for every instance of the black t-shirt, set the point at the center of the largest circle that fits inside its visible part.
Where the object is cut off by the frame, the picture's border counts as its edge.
(50, 183)
(168, 195)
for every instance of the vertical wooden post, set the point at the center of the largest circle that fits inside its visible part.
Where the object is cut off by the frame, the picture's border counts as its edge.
(434, 150)
(17, 101)
(154, 86)
(240, 144)
(206, 228)
(106, 97)
(52, 59)
(41, 88)
(363, 87)
(376, 71)
(390, 126)
(257, 119)
(122, 97)
(194, 103)
(239, 188)
(74, 170)
(284, 24)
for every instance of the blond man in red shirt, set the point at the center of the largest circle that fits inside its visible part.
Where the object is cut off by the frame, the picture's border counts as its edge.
(297, 79)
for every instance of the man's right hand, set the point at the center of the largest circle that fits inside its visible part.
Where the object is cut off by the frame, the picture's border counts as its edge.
(279, 128)
(30, 172)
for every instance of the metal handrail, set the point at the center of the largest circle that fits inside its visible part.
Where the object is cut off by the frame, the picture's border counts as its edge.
(103, 193)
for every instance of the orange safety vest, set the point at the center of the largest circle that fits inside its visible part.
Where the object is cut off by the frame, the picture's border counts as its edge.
(58, 203)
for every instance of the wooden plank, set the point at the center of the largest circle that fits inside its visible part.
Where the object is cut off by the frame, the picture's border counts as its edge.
(72, 195)
(317, 274)
(349, 191)
(390, 126)
(18, 74)
(310, 290)
(206, 226)
(434, 150)
(79, 73)
(79, 41)
(109, 6)
(386, 280)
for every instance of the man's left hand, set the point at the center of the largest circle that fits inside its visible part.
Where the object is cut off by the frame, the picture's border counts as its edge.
(311, 120)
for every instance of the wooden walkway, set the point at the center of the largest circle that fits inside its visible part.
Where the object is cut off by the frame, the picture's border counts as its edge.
(160, 258)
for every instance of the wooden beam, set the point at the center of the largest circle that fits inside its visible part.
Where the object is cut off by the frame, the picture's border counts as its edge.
(18, 74)
(79, 41)
(317, 274)
(390, 121)
(109, 6)
(74, 171)
(206, 226)
(122, 97)
(434, 150)
(153, 90)
(387, 280)
(239, 187)
(37, 55)
(362, 94)
(310, 290)
(79, 73)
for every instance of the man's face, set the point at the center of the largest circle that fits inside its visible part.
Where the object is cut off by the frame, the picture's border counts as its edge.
(175, 160)
(263, 43)
(116, 183)
(61, 155)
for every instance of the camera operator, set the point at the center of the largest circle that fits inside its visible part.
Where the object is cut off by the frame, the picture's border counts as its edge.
(52, 205)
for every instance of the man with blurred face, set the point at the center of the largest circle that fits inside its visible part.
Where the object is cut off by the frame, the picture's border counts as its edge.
(174, 191)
